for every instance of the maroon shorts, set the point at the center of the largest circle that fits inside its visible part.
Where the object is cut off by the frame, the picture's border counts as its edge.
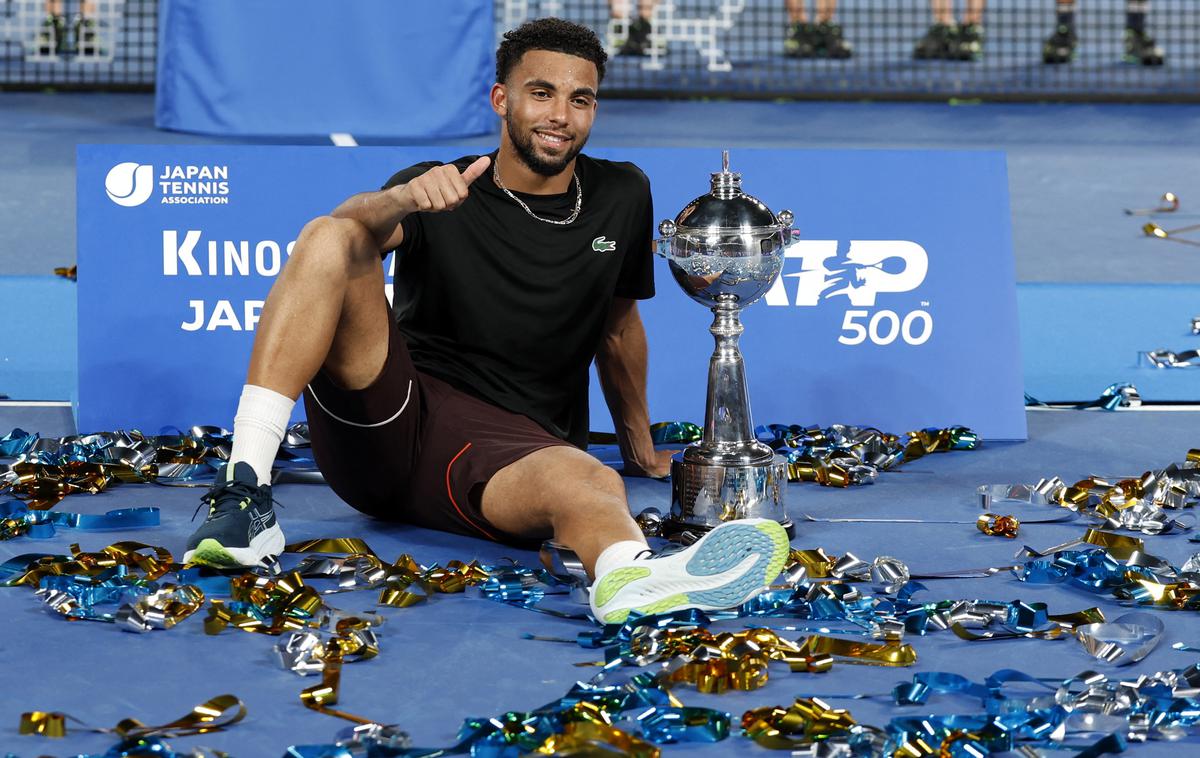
(412, 448)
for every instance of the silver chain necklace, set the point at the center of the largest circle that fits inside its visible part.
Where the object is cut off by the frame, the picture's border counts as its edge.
(563, 222)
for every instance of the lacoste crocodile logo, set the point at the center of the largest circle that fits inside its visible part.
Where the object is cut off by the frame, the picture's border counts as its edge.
(601, 245)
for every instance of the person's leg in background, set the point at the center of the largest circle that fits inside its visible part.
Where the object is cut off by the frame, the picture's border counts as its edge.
(84, 26)
(637, 38)
(1059, 47)
(53, 38)
(833, 42)
(801, 39)
(939, 39)
(969, 42)
(1139, 45)
(823, 39)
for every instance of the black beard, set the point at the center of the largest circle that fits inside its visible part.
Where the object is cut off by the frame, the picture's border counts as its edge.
(523, 144)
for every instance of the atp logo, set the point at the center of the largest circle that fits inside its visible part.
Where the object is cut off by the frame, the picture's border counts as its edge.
(869, 268)
(129, 184)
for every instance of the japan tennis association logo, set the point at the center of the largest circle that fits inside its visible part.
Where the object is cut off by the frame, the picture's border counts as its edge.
(129, 184)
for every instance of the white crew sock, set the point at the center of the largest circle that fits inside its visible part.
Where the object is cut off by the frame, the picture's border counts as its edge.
(258, 428)
(618, 554)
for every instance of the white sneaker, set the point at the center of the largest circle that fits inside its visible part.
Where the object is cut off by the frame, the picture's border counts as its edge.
(723, 569)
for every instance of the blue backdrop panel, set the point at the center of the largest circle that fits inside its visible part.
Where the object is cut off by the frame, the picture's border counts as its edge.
(822, 347)
(416, 69)
(174, 270)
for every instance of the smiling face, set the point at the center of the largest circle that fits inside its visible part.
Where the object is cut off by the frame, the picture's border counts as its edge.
(548, 105)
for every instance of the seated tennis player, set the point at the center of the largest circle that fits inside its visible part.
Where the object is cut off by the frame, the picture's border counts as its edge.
(465, 406)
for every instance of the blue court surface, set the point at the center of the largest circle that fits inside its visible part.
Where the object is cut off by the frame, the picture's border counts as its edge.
(1092, 292)
(458, 656)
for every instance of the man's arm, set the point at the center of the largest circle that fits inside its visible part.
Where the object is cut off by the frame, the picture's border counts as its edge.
(441, 188)
(621, 364)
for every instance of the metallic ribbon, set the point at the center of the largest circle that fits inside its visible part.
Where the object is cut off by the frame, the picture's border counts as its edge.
(1163, 358)
(664, 725)
(29, 570)
(1114, 397)
(841, 456)
(1121, 569)
(402, 584)
(1154, 230)
(353, 641)
(1126, 640)
(1134, 504)
(528, 588)
(711, 662)
(996, 525)
(48, 470)
(16, 520)
(357, 741)
(582, 722)
(1168, 203)
(837, 456)
(215, 715)
(161, 608)
(805, 722)
(268, 606)
(1086, 713)
(592, 738)
(855, 651)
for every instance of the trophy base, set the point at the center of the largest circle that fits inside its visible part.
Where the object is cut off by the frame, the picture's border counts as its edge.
(707, 495)
(678, 531)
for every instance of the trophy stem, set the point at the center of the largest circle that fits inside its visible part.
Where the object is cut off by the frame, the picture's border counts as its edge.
(728, 429)
(727, 411)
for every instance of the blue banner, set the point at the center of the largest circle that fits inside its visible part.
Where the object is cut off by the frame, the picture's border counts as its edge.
(419, 69)
(896, 306)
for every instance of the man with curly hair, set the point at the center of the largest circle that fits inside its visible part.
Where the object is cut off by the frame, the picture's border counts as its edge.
(464, 407)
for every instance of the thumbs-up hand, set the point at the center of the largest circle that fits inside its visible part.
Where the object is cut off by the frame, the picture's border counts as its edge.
(441, 188)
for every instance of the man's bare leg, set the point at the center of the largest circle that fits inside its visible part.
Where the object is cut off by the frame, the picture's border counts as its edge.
(974, 12)
(326, 308)
(943, 12)
(566, 492)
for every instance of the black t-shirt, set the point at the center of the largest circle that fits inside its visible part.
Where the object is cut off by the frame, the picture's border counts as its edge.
(512, 309)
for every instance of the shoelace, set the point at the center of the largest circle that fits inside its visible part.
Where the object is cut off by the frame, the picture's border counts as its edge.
(227, 497)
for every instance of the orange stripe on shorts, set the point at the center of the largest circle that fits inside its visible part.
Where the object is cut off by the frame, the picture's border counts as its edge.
(455, 502)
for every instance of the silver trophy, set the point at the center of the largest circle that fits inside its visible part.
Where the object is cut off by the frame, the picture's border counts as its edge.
(725, 250)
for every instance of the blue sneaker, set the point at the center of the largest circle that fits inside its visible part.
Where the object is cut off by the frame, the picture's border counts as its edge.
(240, 529)
(723, 569)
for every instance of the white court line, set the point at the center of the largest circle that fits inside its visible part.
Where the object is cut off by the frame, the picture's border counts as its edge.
(342, 139)
(1182, 407)
(35, 404)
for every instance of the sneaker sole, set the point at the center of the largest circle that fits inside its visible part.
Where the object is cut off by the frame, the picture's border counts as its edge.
(210, 552)
(751, 554)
